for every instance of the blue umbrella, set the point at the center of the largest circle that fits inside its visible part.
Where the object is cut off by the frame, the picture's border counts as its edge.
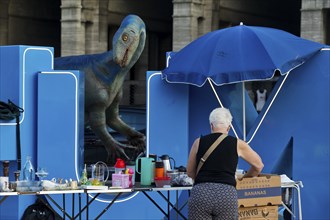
(237, 54)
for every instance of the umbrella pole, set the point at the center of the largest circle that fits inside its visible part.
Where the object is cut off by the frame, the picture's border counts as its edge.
(216, 95)
(244, 122)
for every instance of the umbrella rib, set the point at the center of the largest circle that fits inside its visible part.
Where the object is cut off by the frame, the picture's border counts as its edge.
(268, 107)
(215, 92)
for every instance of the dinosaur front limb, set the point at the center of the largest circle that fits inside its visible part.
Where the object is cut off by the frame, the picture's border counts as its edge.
(114, 121)
(98, 124)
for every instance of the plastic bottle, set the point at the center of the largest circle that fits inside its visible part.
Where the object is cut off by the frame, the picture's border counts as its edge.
(131, 166)
(28, 170)
(120, 166)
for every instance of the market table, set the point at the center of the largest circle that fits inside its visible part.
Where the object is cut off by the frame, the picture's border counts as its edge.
(98, 192)
(64, 193)
(48, 194)
(167, 199)
(149, 192)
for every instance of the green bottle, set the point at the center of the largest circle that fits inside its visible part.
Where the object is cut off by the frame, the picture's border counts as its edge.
(83, 179)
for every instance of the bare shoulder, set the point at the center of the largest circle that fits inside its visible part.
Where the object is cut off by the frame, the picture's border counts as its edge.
(195, 145)
(242, 147)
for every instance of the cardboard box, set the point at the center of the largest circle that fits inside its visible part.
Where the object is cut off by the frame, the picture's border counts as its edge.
(258, 213)
(120, 180)
(259, 191)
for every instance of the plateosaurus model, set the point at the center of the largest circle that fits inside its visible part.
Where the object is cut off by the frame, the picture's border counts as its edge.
(104, 78)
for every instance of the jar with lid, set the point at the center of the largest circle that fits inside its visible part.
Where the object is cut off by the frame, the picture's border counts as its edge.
(159, 170)
(172, 174)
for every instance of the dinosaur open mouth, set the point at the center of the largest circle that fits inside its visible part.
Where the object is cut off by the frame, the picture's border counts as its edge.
(124, 60)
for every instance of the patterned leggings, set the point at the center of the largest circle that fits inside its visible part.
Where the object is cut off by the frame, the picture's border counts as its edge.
(213, 201)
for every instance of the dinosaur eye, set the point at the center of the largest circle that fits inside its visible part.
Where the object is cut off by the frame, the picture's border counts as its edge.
(124, 37)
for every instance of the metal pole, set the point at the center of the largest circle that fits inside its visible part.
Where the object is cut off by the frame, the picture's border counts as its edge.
(244, 116)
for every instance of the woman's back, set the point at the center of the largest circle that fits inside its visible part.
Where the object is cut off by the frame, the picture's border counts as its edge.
(220, 166)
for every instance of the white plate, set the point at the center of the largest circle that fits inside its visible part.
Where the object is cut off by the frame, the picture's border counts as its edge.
(94, 187)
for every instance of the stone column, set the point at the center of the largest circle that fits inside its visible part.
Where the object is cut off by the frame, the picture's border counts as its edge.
(4, 4)
(73, 30)
(185, 21)
(91, 20)
(103, 25)
(313, 24)
(210, 22)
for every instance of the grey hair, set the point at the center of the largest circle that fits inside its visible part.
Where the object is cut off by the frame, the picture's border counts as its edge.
(220, 117)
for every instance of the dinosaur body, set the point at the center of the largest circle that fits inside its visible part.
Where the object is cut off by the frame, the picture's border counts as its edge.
(104, 77)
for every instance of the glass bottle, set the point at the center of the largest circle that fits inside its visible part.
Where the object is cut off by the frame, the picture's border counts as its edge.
(28, 170)
(83, 180)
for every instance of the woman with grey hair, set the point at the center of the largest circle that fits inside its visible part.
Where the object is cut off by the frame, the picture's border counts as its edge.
(214, 194)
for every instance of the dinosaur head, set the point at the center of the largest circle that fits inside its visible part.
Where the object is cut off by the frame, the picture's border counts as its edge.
(129, 40)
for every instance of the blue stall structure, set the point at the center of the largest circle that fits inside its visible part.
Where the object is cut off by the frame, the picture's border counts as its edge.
(291, 133)
(52, 129)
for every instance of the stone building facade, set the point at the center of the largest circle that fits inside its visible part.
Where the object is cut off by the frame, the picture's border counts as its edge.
(75, 27)
(309, 19)
(315, 20)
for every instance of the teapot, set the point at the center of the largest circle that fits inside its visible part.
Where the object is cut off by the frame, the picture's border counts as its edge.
(167, 164)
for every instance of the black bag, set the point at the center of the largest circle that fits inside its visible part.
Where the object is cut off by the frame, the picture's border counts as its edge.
(39, 211)
(8, 112)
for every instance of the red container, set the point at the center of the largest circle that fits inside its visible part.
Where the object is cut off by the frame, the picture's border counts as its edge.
(162, 181)
(120, 166)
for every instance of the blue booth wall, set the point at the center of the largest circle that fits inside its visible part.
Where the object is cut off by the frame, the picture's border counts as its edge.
(294, 136)
(291, 133)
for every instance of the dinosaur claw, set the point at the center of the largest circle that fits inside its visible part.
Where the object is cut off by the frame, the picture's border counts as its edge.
(138, 141)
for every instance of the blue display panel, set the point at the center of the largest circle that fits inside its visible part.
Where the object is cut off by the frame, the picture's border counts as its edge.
(18, 82)
(61, 123)
(294, 136)
(19, 66)
(167, 118)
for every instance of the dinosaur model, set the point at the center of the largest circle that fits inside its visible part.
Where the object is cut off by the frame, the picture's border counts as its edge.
(104, 77)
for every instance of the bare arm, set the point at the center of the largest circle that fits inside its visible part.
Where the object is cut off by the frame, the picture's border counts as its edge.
(191, 166)
(250, 156)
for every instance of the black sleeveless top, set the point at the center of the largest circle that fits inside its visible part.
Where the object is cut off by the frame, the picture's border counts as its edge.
(220, 166)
